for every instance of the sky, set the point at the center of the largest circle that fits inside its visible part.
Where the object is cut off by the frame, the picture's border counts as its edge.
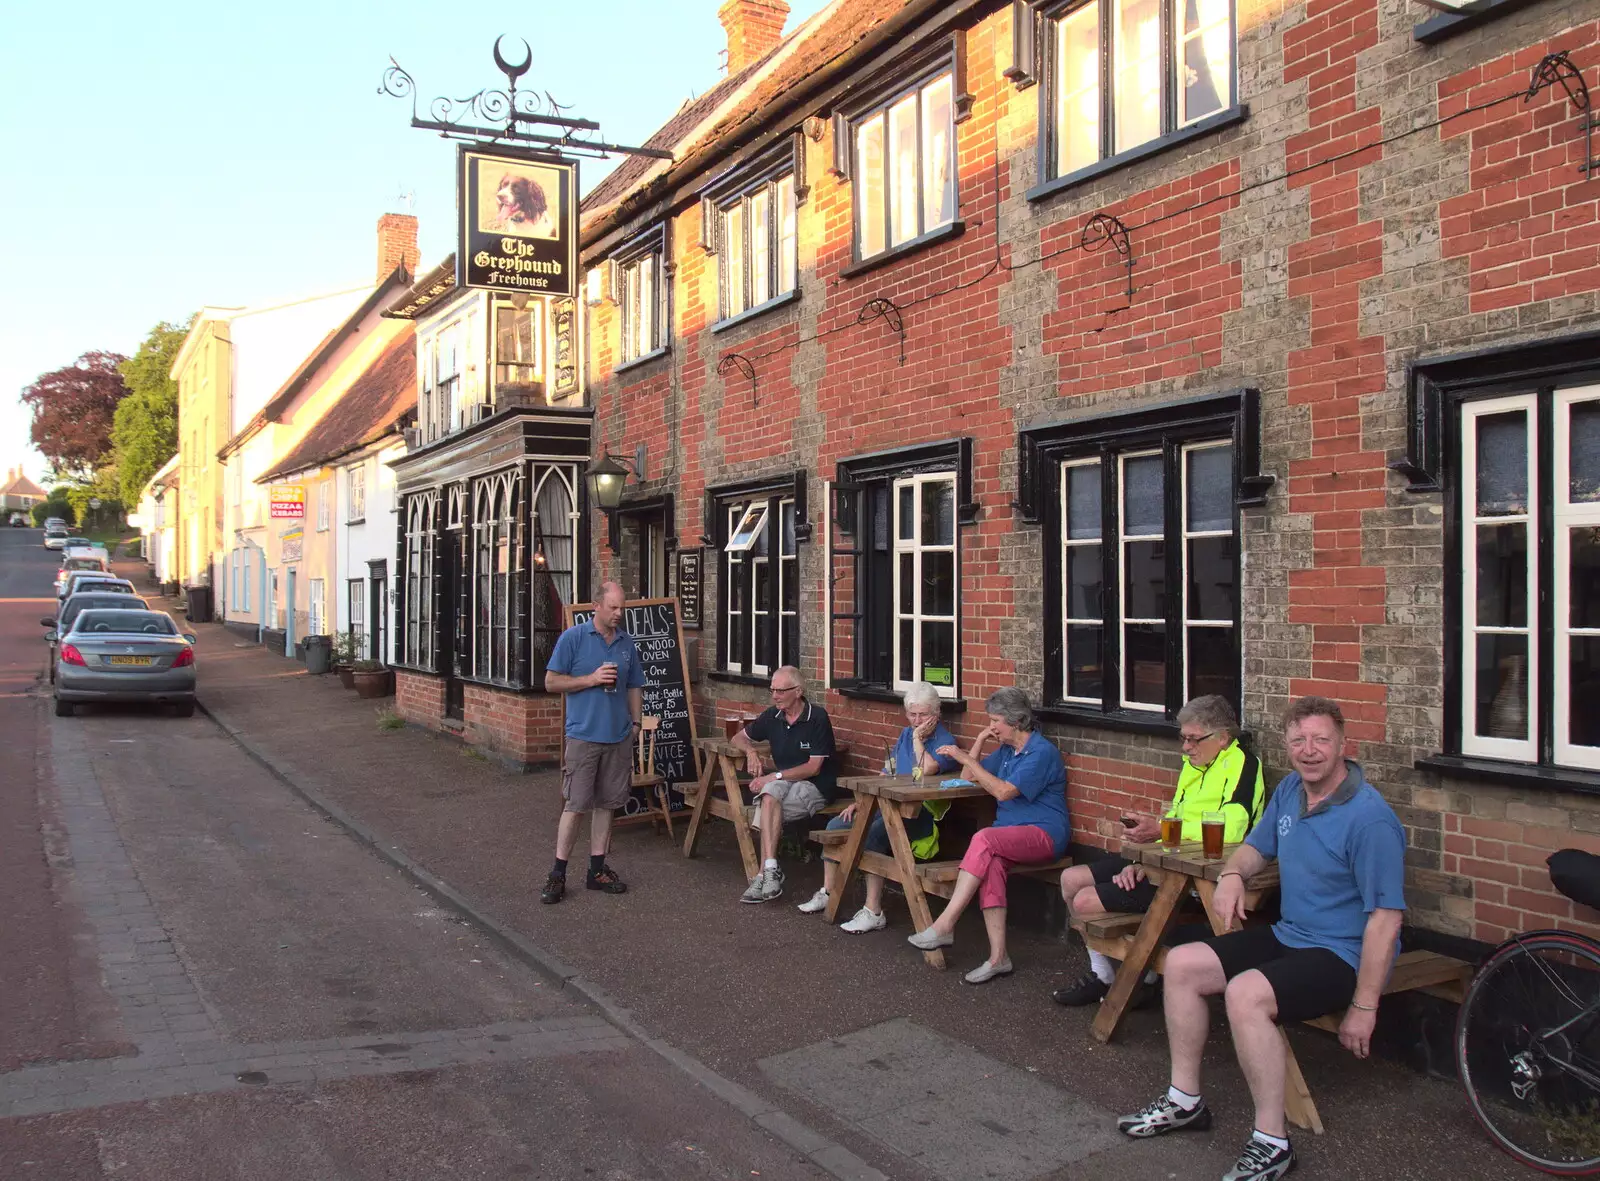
(160, 158)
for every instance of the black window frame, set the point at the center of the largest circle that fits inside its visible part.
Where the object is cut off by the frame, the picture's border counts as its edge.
(776, 490)
(764, 174)
(1437, 391)
(1171, 427)
(653, 244)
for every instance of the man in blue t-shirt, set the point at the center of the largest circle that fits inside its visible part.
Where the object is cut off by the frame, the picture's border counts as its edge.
(597, 666)
(1341, 860)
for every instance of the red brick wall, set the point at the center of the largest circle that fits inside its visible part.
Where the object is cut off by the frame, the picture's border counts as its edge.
(419, 698)
(523, 727)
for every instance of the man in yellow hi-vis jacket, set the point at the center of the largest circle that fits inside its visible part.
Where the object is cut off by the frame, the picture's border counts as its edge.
(1218, 776)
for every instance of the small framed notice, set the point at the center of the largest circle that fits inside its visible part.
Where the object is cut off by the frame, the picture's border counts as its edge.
(689, 562)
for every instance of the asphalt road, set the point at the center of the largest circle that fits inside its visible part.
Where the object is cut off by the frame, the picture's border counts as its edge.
(202, 978)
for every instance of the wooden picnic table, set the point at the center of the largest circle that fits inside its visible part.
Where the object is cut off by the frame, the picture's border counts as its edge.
(897, 797)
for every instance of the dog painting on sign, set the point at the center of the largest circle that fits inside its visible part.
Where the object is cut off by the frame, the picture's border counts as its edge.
(520, 199)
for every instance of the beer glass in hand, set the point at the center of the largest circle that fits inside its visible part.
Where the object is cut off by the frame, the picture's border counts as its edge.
(1172, 831)
(1212, 825)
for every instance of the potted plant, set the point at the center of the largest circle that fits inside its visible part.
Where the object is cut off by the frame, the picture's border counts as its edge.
(345, 647)
(372, 679)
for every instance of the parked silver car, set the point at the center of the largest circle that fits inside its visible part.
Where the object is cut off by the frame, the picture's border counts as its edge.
(75, 605)
(125, 656)
(96, 580)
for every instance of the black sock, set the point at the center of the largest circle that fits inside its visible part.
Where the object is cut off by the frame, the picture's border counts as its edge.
(560, 871)
(597, 862)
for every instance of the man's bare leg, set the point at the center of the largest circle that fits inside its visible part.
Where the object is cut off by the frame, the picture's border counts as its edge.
(1252, 1015)
(567, 834)
(1193, 973)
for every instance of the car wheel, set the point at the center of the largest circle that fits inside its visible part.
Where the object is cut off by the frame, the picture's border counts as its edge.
(184, 709)
(64, 709)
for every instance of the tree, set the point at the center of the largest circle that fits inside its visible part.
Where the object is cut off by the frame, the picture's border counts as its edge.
(56, 504)
(144, 432)
(73, 408)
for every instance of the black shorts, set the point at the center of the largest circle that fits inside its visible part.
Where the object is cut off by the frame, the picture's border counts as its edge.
(1306, 981)
(1112, 896)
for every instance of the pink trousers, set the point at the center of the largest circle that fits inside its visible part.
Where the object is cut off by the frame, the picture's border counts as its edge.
(995, 850)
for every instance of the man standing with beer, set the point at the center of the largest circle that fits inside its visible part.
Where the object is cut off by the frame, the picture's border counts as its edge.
(597, 666)
(1219, 780)
(1341, 856)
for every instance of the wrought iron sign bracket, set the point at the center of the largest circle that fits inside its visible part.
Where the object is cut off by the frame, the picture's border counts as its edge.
(1105, 228)
(1557, 69)
(887, 311)
(741, 363)
(526, 117)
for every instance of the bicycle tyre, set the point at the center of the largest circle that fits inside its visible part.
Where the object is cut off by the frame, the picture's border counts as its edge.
(1492, 1031)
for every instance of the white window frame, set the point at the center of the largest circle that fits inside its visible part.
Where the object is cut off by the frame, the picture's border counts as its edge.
(1124, 539)
(1525, 750)
(738, 247)
(1188, 535)
(1068, 543)
(355, 595)
(317, 610)
(915, 546)
(642, 302)
(1566, 516)
(324, 504)
(889, 180)
(356, 487)
(743, 536)
(751, 520)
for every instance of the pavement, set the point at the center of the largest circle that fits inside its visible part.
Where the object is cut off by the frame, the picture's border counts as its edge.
(321, 880)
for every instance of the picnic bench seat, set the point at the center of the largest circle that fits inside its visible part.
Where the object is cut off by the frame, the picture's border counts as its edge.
(937, 877)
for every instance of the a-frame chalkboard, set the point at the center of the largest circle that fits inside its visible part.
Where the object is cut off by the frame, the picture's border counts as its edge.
(657, 632)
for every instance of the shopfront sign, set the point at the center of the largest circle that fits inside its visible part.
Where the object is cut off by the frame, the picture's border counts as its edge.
(291, 543)
(519, 222)
(288, 501)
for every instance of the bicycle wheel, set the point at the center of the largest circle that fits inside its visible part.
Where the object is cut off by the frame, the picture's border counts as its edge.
(1528, 1050)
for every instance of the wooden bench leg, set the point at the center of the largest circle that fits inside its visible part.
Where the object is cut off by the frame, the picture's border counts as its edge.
(1151, 935)
(697, 815)
(1298, 1105)
(850, 855)
(664, 800)
(906, 863)
(741, 827)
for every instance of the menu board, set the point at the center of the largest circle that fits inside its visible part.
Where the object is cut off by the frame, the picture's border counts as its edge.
(689, 564)
(657, 632)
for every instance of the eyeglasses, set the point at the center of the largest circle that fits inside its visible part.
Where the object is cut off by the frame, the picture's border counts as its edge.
(1196, 739)
(1306, 741)
(784, 688)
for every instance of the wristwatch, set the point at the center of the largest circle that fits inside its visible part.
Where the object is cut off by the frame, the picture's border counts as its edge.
(777, 774)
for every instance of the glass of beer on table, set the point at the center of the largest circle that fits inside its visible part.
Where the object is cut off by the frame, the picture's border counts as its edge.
(1172, 831)
(1211, 828)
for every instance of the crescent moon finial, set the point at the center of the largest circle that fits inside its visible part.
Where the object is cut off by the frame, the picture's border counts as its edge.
(513, 72)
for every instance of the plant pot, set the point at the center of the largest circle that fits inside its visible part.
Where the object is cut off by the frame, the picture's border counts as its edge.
(347, 675)
(377, 683)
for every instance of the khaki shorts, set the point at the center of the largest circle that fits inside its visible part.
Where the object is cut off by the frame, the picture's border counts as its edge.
(596, 775)
(799, 799)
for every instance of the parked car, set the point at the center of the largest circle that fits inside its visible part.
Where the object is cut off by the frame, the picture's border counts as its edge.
(75, 605)
(83, 579)
(55, 536)
(79, 560)
(125, 656)
(18, 521)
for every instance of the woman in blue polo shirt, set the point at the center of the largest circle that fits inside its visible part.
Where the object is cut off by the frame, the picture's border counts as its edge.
(916, 747)
(1026, 776)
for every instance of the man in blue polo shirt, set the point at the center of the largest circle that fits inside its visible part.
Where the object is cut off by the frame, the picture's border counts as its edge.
(1341, 859)
(597, 666)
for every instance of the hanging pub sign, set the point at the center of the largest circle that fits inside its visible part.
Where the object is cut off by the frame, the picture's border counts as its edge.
(519, 222)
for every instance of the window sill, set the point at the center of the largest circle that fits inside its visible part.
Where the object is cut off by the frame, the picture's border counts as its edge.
(761, 309)
(895, 253)
(1144, 151)
(1444, 25)
(652, 355)
(947, 705)
(728, 678)
(1126, 721)
(355, 521)
(1512, 774)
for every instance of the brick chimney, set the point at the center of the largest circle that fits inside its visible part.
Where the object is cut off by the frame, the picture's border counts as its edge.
(397, 244)
(754, 27)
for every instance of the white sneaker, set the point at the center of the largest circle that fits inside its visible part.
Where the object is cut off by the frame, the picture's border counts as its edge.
(986, 971)
(929, 940)
(864, 921)
(764, 887)
(817, 901)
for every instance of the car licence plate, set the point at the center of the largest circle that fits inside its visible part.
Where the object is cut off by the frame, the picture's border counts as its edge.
(128, 659)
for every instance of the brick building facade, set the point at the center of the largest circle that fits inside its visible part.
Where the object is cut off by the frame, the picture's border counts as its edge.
(1121, 352)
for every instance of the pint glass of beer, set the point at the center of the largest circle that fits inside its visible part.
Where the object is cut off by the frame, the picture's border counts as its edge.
(1172, 831)
(1211, 828)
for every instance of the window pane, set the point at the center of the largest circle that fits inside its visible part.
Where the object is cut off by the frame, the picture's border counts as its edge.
(1137, 103)
(1078, 89)
(1085, 574)
(939, 513)
(1502, 576)
(1585, 590)
(733, 265)
(760, 250)
(1583, 721)
(789, 638)
(1212, 591)
(788, 240)
(1210, 492)
(1205, 77)
(1503, 464)
(1212, 665)
(735, 585)
(1583, 456)
(647, 304)
(1084, 662)
(938, 158)
(908, 584)
(907, 663)
(791, 584)
(870, 180)
(908, 512)
(939, 653)
(1144, 664)
(903, 187)
(762, 599)
(1502, 689)
(786, 515)
(1142, 511)
(1083, 501)
(1145, 567)
(938, 583)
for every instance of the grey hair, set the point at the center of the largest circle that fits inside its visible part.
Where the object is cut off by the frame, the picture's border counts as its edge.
(1011, 706)
(1212, 712)
(920, 693)
(799, 680)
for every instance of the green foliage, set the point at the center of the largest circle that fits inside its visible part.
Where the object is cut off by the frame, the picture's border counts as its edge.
(57, 504)
(144, 431)
(345, 647)
(389, 720)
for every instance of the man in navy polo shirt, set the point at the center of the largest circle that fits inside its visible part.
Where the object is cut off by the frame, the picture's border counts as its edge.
(597, 666)
(1341, 858)
(801, 738)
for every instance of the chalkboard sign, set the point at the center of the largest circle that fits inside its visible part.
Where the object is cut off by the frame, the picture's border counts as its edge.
(657, 632)
(689, 586)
